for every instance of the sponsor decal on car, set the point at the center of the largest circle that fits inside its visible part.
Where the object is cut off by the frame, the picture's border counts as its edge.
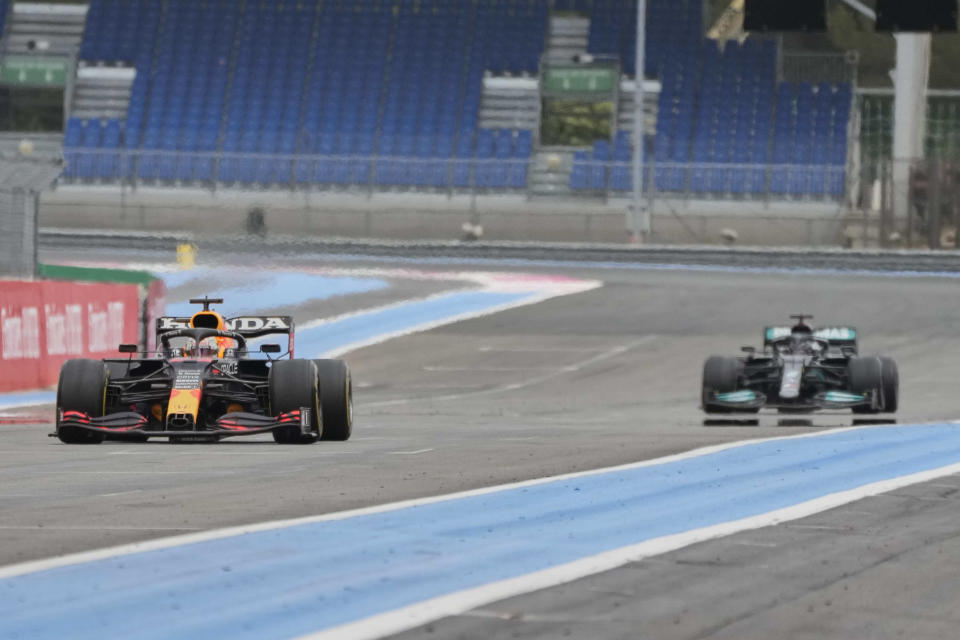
(843, 396)
(836, 333)
(825, 333)
(737, 396)
(241, 324)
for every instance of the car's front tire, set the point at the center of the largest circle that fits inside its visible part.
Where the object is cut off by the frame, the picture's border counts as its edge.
(866, 375)
(890, 375)
(336, 399)
(82, 387)
(293, 385)
(721, 374)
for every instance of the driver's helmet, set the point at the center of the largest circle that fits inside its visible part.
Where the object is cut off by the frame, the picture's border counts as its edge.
(801, 329)
(208, 348)
(189, 349)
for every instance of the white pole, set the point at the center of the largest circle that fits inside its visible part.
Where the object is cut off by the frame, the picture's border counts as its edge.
(909, 111)
(638, 221)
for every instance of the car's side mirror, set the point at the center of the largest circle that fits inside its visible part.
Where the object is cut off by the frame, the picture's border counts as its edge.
(270, 348)
(848, 352)
(128, 348)
(749, 350)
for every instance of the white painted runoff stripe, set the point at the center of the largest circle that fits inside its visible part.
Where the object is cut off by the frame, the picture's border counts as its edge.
(33, 566)
(453, 604)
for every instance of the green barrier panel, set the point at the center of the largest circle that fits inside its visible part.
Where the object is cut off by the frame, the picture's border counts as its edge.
(87, 274)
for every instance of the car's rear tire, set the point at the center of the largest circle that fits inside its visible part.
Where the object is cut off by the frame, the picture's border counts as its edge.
(293, 384)
(721, 374)
(890, 375)
(82, 387)
(865, 375)
(336, 399)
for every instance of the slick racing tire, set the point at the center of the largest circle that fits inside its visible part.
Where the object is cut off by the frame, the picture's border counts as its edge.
(82, 387)
(721, 374)
(293, 384)
(891, 384)
(865, 375)
(336, 399)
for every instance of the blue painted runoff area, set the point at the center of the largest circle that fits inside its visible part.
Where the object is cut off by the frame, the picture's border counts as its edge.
(269, 292)
(352, 329)
(309, 577)
(26, 398)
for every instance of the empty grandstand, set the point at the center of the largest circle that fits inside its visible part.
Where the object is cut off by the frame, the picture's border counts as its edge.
(395, 94)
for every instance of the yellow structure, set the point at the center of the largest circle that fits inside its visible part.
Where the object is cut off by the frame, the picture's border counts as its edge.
(186, 255)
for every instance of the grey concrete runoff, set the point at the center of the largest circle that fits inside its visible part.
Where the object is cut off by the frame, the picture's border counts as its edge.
(602, 378)
(413, 215)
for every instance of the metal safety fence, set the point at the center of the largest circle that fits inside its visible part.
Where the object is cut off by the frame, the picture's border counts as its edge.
(915, 204)
(22, 177)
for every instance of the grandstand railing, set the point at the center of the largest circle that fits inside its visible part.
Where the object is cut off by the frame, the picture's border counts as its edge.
(292, 171)
(696, 180)
(609, 179)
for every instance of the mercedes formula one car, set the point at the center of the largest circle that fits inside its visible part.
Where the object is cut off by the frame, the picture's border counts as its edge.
(205, 382)
(801, 369)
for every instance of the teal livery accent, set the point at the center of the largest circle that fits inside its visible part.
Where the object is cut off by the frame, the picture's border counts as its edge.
(773, 333)
(737, 396)
(843, 396)
(836, 333)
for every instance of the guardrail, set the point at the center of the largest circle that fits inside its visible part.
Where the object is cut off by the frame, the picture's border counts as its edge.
(786, 259)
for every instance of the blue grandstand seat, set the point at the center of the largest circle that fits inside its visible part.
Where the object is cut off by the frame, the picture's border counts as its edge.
(578, 175)
(349, 85)
(260, 68)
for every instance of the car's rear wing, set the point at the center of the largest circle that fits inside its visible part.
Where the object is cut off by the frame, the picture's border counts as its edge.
(838, 337)
(247, 326)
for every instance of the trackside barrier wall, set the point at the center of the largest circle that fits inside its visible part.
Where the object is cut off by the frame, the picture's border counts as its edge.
(43, 324)
(152, 291)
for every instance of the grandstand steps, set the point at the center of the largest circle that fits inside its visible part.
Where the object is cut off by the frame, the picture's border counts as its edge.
(650, 106)
(510, 103)
(550, 172)
(102, 92)
(567, 37)
(48, 29)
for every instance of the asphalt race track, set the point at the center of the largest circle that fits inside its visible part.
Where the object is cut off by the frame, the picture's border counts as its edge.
(605, 377)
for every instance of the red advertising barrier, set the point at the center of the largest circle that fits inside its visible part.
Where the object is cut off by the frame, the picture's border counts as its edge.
(42, 324)
(156, 302)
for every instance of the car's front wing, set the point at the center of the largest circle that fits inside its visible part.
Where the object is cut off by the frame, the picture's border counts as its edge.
(229, 425)
(749, 400)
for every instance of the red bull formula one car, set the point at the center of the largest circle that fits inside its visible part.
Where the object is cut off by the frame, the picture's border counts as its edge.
(205, 382)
